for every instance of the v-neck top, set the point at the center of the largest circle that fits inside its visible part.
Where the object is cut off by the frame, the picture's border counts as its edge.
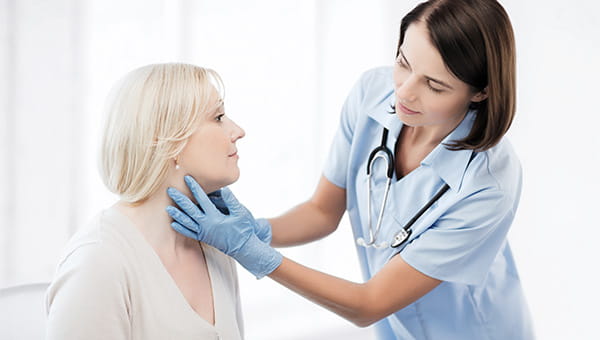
(111, 284)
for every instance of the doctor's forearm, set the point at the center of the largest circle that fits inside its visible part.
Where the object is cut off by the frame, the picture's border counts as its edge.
(302, 224)
(313, 219)
(349, 300)
(394, 287)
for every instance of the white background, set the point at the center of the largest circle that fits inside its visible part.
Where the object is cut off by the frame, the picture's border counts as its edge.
(287, 67)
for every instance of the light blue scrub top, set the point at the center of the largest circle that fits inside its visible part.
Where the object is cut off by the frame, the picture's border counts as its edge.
(460, 240)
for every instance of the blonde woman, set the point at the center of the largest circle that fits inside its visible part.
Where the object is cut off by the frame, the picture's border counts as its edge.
(128, 275)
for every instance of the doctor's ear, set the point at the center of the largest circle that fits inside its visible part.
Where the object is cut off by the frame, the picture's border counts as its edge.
(480, 96)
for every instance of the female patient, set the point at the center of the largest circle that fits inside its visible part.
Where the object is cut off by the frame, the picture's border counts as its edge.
(127, 275)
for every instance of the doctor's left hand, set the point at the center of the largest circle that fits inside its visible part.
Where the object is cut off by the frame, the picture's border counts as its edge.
(233, 234)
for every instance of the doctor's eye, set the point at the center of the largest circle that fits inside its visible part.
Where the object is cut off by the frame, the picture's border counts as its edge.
(219, 118)
(435, 90)
(402, 62)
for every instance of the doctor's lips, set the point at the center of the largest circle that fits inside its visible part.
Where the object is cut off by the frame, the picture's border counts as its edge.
(406, 110)
(233, 154)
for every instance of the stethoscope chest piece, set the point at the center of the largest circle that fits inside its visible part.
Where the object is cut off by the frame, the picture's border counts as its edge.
(383, 152)
(401, 237)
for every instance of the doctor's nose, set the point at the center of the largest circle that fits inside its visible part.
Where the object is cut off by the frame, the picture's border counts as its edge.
(406, 91)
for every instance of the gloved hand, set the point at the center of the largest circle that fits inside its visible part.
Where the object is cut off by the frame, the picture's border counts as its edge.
(262, 226)
(233, 234)
(263, 230)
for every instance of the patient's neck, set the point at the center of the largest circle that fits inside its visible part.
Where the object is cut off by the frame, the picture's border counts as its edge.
(152, 220)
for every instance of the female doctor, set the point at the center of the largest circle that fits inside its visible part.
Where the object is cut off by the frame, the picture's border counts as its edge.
(430, 184)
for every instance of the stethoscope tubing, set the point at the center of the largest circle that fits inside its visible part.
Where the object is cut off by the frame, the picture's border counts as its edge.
(373, 234)
(400, 237)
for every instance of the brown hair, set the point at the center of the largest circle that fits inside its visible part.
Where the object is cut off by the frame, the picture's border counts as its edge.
(475, 39)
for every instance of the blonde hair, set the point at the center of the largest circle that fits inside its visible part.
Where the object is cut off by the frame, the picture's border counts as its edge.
(150, 116)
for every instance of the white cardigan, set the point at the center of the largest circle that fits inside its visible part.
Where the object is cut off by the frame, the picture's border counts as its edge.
(110, 284)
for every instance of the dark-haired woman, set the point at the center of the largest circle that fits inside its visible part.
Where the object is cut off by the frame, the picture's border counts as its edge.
(431, 224)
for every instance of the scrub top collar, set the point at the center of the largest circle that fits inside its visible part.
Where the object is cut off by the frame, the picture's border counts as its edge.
(449, 165)
(379, 110)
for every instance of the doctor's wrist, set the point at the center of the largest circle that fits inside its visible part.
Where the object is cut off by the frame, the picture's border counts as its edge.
(258, 257)
(263, 230)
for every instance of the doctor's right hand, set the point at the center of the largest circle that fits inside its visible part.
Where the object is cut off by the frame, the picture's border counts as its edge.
(262, 228)
(233, 233)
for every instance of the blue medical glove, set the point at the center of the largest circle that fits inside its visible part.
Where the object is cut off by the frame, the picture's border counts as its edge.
(217, 199)
(263, 227)
(233, 234)
(263, 230)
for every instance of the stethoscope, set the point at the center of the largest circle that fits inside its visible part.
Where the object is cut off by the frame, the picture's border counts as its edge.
(402, 235)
